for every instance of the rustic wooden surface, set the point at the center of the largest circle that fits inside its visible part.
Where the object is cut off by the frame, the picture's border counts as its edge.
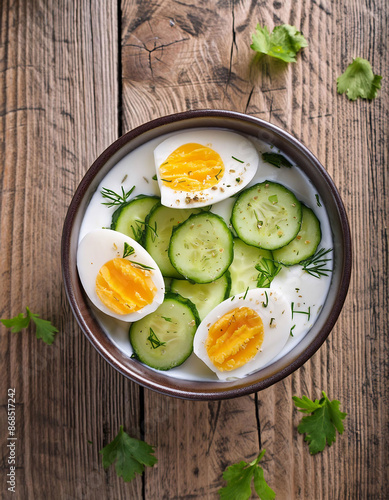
(76, 74)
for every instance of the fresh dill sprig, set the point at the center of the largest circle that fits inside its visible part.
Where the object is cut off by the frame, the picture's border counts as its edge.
(154, 340)
(153, 230)
(268, 270)
(128, 250)
(140, 265)
(137, 231)
(115, 199)
(307, 313)
(316, 265)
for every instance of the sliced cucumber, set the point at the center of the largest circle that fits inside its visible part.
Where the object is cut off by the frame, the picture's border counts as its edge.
(159, 227)
(164, 338)
(204, 296)
(267, 215)
(305, 243)
(130, 218)
(245, 267)
(201, 248)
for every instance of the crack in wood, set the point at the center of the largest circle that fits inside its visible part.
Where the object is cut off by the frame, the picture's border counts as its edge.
(213, 427)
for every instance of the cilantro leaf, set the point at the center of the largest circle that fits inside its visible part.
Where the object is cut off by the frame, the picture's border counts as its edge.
(17, 323)
(44, 329)
(239, 476)
(306, 404)
(282, 43)
(276, 159)
(359, 80)
(321, 425)
(261, 487)
(130, 455)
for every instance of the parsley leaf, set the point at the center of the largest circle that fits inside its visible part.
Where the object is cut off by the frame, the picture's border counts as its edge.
(130, 455)
(321, 425)
(276, 159)
(17, 323)
(239, 476)
(359, 80)
(44, 329)
(282, 43)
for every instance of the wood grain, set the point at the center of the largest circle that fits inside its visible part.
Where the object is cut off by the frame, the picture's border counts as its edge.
(73, 76)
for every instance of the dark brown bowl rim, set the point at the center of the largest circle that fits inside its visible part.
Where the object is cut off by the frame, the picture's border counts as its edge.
(185, 389)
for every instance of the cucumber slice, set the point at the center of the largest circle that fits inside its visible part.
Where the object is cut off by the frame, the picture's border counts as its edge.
(244, 273)
(267, 215)
(201, 248)
(130, 218)
(305, 243)
(159, 227)
(164, 338)
(204, 296)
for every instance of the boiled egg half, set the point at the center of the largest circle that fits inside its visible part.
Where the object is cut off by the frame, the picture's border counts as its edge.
(244, 333)
(201, 167)
(118, 275)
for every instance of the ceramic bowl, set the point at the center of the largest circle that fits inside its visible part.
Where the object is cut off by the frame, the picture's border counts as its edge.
(161, 381)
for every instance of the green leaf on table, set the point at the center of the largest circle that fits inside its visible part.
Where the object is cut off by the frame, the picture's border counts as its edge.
(18, 323)
(45, 330)
(359, 80)
(282, 43)
(239, 477)
(321, 425)
(306, 405)
(130, 455)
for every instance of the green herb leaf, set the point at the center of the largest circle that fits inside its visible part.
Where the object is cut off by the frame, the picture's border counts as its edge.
(276, 159)
(239, 477)
(115, 199)
(17, 323)
(44, 329)
(321, 425)
(142, 266)
(268, 270)
(130, 455)
(316, 265)
(283, 43)
(306, 405)
(261, 487)
(154, 340)
(128, 250)
(359, 80)
(237, 159)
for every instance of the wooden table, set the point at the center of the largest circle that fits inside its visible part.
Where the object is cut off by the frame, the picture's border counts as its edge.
(74, 76)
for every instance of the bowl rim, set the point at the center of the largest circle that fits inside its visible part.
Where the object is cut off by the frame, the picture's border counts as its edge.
(178, 387)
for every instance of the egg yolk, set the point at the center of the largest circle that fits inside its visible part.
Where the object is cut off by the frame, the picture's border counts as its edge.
(235, 338)
(123, 287)
(192, 167)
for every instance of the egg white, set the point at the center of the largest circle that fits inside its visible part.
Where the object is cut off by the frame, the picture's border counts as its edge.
(236, 174)
(276, 331)
(102, 245)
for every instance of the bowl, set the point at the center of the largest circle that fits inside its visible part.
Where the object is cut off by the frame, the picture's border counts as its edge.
(340, 277)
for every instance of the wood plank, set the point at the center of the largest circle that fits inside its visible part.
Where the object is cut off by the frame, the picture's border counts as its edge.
(59, 110)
